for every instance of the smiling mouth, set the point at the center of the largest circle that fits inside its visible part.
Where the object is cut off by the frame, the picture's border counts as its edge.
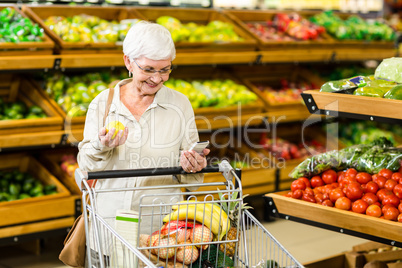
(151, 84)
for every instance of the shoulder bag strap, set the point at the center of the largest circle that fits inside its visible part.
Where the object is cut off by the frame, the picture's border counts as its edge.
(108, 104)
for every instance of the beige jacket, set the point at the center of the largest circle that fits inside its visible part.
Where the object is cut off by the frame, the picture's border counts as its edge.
(165, 128)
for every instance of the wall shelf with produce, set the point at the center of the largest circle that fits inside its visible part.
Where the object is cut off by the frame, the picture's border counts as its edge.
(370, 98)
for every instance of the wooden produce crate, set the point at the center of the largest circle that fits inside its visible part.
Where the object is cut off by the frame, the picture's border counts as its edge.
(52, 159)
(257, 178)
(274, 79)
(214, 117)
(242, 17)
(15, 88)
(338, 218)
(26, 48)
(295, 133)
(34, 208)
(41, 13)
(379, 44)
(202, 17)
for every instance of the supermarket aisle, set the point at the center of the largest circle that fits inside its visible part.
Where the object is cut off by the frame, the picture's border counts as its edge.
(305, 243)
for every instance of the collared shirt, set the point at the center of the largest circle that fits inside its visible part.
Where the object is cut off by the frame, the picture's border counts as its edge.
(155, 140)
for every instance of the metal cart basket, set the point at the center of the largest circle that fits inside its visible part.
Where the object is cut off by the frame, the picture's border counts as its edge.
(194, 228)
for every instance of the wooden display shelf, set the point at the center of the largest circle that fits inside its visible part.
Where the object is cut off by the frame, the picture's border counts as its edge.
(305, 54)
(346, 222)
(351, 106)
(368, 52)
(32, 139)
(37, 227)
(27, 62)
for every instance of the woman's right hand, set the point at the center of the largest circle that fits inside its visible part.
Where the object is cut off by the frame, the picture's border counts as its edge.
(106, 138)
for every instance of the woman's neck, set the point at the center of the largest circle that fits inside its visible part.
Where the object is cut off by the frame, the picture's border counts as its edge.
(134, 100)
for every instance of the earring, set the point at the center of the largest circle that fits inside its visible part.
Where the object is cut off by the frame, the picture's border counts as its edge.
(129, 73)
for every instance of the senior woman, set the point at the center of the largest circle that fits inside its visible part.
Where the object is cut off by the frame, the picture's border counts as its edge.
(159, 126)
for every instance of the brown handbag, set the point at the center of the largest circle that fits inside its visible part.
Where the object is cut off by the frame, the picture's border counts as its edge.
(73, 252)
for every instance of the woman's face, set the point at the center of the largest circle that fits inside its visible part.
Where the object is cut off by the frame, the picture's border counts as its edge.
(149, 75)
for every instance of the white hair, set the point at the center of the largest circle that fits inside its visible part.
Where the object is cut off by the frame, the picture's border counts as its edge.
(150, 40)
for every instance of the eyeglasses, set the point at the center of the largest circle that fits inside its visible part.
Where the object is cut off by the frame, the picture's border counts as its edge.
(153, 71)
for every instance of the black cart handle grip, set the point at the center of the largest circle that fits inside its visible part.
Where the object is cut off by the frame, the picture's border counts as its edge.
(111, 174)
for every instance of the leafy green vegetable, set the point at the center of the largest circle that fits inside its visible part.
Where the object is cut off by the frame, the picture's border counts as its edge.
(364, 157)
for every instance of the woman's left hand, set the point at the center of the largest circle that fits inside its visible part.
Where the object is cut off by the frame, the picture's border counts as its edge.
(193, 162)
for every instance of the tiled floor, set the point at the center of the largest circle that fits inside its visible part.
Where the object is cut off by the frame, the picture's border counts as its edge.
(306, 243)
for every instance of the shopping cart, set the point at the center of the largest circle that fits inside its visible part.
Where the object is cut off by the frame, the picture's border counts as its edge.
(107, 246)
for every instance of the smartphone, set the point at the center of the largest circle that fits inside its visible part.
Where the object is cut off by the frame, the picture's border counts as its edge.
(199, 146)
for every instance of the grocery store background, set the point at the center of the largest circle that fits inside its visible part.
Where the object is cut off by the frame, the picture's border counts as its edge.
(270, 74)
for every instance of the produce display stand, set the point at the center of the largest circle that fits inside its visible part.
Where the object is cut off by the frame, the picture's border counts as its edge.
(36, 214)
(44, 47)
(346, 222)
(351, 106)
(202, 17)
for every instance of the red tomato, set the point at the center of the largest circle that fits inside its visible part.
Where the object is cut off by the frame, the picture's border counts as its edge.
(386, 173)
(372, 187)
(398, 190)
(400, 207)
(297, 184)
(360, 206)
(316, 181)
(354, 191)
(351, 172)
(382, 193)
(297, 194)
(309, 191)
(329, 176)
(308, 198)
(363, 177)
(306, 181)
(391, 213)
(319, 198)
(327, 203)
(346, 181)
(335, 194)
(370, 198)
(392, 200)
(390, 184)
(343, 203)
(380, 180)
(397, 176)
(374, 210)
(399, 219)
(385, 208)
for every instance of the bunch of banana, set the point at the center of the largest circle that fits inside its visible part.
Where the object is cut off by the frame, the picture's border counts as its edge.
(211, 215)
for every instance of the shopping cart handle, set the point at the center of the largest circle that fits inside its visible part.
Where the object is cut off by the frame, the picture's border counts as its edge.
(111, 174)
(80, 175)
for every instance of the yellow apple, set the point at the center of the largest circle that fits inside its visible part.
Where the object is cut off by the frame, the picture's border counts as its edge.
(117, 125)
